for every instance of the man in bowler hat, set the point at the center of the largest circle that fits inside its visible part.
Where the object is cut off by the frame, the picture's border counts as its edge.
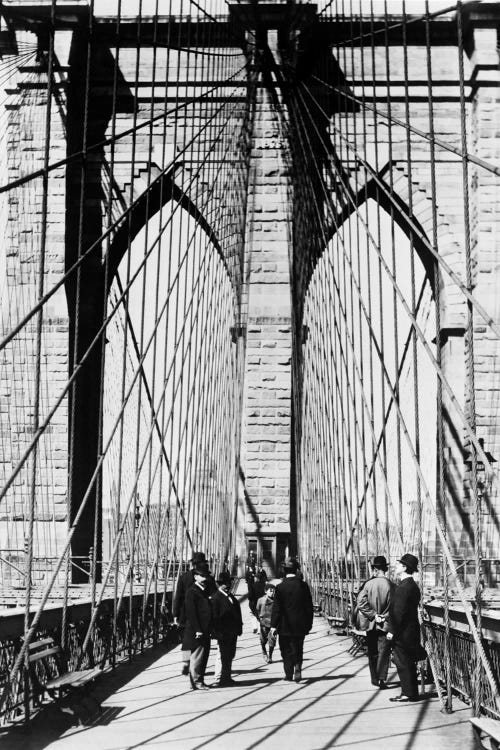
(198, 626)
(404, 628)
(185, 581)
(227, 625)
(373, 605)
(292, 618)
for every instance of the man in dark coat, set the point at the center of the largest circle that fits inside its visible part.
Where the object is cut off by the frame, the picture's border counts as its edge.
(373, 604)
(227, 625)
(198, 626)
(292, 618)
(185, 581)
(404, 628)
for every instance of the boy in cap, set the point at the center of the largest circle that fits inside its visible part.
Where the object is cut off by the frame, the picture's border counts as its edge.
(373, 604)
(184, 582)
(227, 625)
(404, 628)
(263, 610)
(198, 626)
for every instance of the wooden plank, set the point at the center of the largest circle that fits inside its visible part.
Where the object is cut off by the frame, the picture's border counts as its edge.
(491, 727)
(39, 644)
(44, 654)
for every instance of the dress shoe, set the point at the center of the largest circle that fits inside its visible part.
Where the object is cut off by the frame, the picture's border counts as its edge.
(200, 686)
(297, 674)
(382, 685)
(402, 699)
(185, 669)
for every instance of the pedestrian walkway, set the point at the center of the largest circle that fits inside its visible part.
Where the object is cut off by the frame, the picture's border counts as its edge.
(148, 704)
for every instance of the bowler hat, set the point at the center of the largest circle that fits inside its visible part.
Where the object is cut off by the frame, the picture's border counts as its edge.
(202, 569)
(198, 557)
(291, 564)
(410, 561)
(380, 562)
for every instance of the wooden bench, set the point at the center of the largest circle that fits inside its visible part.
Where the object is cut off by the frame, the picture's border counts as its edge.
(486, 730)
(68, 688)
(358, 641)
(337, 622)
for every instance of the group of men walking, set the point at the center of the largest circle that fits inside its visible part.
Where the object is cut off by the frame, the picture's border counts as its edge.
(205, 608)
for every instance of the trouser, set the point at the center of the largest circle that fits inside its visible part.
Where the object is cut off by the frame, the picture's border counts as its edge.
(227, 649)
(199, 659)
(407, 672)
(185, 651)
(379, 654)
(267, 639)
(292, 651)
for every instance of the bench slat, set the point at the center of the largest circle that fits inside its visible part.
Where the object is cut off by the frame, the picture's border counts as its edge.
(489, 726)
(43, 654)
(74, 678)
(40, 643)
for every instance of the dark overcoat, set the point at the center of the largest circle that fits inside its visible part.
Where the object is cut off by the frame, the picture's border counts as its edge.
(198, 616)
(403, 615)
(226, 615)
(185, 582)
(292, 613)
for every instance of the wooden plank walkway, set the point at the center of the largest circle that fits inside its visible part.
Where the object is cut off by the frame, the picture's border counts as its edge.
(148, 704)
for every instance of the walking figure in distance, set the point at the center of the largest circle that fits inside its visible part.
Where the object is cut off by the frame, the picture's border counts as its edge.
(263, 609)
(227, 625)
(292, 618)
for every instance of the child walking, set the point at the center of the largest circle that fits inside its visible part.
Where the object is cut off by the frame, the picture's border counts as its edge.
(263, 610)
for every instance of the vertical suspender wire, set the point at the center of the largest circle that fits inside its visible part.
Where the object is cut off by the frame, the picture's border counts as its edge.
(149, 509)
(183, 377)
(346, 587)
(441, 493)
(382, 410)
(110, 198)
(163, 533)
(343, 302)
(77, 302)
(200, 459)
(161, 542)
(177, 558)
(185, 450)
(477, 682)
(172, 313)
(114, 635)
(372, 472)
(416, 399)
(38, 357)
(357, 522)
(394, 267)
(133, 565)
(126, 520)
(361, 339)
